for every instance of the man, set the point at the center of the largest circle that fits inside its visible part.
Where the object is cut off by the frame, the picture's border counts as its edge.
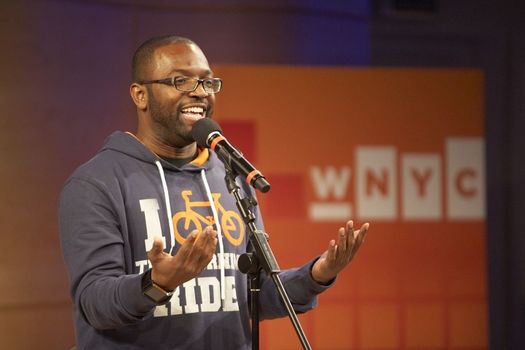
(147, 269)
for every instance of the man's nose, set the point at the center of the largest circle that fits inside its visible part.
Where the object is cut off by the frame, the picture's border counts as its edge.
(199, 91)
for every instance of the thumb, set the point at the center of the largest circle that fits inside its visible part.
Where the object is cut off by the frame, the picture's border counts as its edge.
(156, 250)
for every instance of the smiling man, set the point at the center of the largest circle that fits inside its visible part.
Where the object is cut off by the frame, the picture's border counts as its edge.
(147, 268)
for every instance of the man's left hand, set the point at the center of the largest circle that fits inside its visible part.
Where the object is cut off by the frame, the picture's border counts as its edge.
(340, 252)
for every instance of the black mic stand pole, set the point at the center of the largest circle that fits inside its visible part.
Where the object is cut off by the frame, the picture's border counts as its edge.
(261, 258)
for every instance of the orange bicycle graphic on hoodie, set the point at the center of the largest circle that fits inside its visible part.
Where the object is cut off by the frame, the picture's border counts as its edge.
(230, 220)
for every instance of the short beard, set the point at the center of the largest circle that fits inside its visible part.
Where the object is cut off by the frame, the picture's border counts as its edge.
(167, 124)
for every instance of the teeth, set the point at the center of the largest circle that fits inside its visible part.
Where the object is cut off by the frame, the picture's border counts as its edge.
(198, 110)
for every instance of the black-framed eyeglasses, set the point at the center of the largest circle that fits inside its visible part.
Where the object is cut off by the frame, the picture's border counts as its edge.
(185, 84)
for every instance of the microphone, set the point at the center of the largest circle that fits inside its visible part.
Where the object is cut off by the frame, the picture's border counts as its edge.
(207, 133)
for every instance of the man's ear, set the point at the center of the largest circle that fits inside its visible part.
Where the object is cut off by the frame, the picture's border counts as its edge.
(139, 95)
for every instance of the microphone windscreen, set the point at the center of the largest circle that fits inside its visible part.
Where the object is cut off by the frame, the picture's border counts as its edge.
(202, 129)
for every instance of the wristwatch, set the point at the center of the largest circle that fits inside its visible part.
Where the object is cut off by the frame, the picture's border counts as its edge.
(153, 290)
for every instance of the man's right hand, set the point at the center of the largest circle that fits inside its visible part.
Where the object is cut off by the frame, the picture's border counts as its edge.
(169, 271)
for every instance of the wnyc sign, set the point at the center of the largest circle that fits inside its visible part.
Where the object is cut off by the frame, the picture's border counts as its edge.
(391, 185)
(368, 144)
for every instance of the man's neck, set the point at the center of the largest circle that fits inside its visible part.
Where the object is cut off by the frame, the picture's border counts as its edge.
(166, 151)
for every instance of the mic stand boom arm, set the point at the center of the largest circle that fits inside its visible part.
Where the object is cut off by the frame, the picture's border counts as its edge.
(261, 258)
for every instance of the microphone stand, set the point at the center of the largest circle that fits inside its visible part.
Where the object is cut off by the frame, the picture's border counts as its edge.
(261, 258)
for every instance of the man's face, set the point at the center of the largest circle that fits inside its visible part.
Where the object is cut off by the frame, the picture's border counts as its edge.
(173, 112)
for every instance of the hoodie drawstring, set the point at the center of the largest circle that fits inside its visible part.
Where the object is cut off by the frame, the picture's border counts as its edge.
(168, 206)
(219, 232)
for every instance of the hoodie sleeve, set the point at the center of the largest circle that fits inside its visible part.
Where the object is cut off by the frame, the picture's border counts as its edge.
(93, 249)
(300, 287)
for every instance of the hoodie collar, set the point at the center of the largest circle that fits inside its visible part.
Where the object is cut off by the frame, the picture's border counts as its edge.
(127, 143)
(202, 158)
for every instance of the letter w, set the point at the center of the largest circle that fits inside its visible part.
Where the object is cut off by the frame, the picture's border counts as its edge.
(330, 182)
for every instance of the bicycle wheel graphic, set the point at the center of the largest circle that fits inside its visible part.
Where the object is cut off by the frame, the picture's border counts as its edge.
(230, 223)
(182, 222)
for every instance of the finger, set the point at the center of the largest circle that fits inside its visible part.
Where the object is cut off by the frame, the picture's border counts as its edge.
(358, 237)
(350, 234)
(187, 246)
(346, 240)
(361, 235)
(156, 249)
(332, 251)
(210, 232)
(205, 246)
(211, 244)
(209, 239)
(341, 241)
(158, 246)
(192, 237)
(207, 235)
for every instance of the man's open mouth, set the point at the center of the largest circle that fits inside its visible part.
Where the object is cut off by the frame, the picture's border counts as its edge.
(193, 112)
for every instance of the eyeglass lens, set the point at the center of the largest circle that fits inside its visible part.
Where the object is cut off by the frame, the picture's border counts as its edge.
(190, 84)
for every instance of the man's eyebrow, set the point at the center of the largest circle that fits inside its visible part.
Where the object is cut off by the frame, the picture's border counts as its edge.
(185, 72)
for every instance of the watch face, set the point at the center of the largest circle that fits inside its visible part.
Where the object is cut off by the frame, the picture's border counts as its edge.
(153, 291)
(157, 294)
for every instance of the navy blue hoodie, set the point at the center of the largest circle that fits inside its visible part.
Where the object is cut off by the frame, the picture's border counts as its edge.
(113, 206)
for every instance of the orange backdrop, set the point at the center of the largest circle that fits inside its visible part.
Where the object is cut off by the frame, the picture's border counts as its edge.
(400, 148)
